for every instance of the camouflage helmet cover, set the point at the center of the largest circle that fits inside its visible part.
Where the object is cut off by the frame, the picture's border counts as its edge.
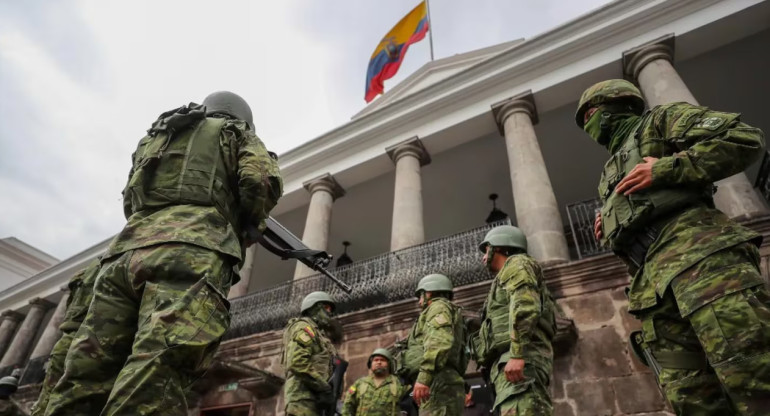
(504, 236)
(434, 283)
(316, 297)
(382, 352)
(226, 102)
(608, 91)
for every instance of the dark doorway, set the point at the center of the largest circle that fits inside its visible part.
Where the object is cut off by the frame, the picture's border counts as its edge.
(233, 410)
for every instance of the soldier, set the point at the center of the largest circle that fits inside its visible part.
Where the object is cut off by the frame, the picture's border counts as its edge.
(377, 394)
(518, 325)
(434, 359)
(81, 291)
(696, 285)
(8, 386)
(307, 357)
(200, 181)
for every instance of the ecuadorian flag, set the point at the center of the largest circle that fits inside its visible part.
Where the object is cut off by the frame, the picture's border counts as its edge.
(388, 55)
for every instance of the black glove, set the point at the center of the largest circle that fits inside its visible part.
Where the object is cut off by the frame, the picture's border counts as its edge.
(327, 404)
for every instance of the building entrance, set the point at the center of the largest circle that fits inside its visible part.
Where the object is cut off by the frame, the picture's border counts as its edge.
(236, 410)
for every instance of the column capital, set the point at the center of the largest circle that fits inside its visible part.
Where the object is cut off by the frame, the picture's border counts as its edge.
(41, 303)
(12, 315)
(412, 146)
(325, 182)
(522, 103)
(634, 60)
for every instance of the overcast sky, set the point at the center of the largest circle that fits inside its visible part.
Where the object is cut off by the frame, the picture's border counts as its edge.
(80, 82)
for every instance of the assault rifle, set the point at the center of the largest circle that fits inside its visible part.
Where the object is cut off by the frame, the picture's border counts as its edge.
(281, 242)
(337, 383)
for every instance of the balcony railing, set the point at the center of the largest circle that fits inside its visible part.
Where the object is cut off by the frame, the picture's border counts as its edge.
(379, 280)
(581, 220)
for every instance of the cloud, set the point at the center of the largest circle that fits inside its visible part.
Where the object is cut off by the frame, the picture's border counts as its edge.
(81, 81)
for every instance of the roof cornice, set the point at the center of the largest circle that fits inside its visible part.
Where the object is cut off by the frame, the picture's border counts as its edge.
(50, 280)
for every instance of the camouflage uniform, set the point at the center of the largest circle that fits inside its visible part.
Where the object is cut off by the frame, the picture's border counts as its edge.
(9, 408)
(698, 291)
(160, 299)
(436, 337)
(366, 398)
(519, 321)
(81, 288)
(307, 360)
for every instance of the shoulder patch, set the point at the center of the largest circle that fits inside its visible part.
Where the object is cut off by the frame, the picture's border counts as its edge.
(710, 123)
(304, 337)
(441, 320)
(352, 390)
(309, 331)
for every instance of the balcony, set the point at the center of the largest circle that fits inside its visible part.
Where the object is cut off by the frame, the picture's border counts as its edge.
(386, 278)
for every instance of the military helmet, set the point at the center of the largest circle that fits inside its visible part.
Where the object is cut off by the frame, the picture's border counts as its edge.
(434, 283)
(316, 297)
(608, 91)
(504, 236)
(226, 102)
(382, 352)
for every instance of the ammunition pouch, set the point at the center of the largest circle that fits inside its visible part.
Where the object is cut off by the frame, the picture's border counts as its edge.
(623, 217)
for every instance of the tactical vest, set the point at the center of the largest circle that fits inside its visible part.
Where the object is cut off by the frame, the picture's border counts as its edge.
(410, 358)
(494, 337)
(322, 350)
(181, 164)
(624, 216)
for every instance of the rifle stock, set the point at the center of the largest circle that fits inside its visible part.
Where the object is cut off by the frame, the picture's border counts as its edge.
(281, 242)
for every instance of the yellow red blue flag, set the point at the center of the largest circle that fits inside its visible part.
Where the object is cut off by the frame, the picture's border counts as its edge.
(390, 52)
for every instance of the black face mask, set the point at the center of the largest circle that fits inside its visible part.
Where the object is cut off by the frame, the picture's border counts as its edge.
(330, 325)
(610, 126)
(382, 371)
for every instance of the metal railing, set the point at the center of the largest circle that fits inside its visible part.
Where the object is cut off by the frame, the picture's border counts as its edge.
(581, 221)
(386, 278)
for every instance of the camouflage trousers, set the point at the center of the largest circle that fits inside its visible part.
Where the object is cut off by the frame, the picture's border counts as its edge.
(447, 395)
(157, 317)
(77, 308)
(302, 408)
(527, 398)
(716, 360)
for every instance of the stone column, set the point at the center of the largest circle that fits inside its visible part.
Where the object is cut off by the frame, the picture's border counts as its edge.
(19, 348)
(242, 287)
(651, 65)
(407, 228)
(323, 191)
(537, 214)
(10, 320)
(51, 334)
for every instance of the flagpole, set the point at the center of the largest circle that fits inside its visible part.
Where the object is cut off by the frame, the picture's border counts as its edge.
(430, 29)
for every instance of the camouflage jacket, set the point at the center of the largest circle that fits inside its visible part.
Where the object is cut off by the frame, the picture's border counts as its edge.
(695, 147)
(519, 316)
(307, 360)
(253, 180)
(436, 334)
(81, 287)
(366, 398)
